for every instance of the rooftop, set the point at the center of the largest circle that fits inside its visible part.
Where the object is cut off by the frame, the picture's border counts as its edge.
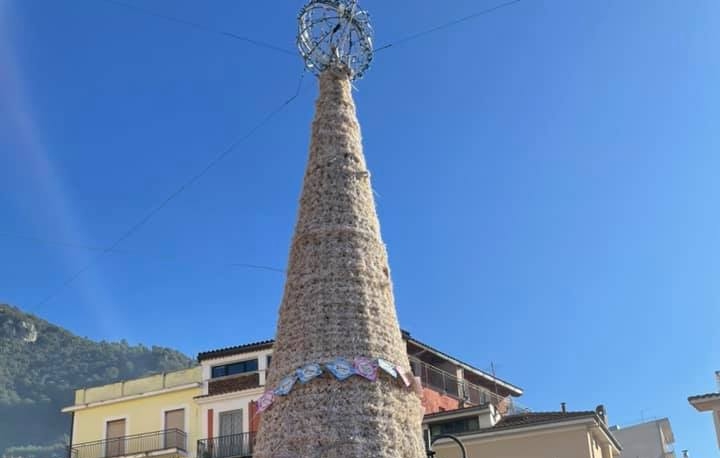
(537, 418)
(267, 344)
(136, 388)
(706, 396)
(523, 420)
(236, 350)
(662, 423)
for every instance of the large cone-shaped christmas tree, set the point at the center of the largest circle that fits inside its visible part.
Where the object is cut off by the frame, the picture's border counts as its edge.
(338, 303)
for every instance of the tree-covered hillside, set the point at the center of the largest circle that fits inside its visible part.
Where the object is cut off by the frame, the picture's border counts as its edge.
(40, 366)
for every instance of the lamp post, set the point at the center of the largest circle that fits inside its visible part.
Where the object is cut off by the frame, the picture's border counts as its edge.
(431, 452)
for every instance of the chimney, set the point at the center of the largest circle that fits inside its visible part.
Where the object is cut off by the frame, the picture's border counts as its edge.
(563, 407)
(600, 411)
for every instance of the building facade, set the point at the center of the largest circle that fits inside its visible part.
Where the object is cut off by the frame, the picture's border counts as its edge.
(234, 378)
(210, 411)
(650, 439)
(486, 433)
(709, 402)
(155, 414)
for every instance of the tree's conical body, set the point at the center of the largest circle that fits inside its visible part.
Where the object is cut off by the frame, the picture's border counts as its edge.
(338, 302)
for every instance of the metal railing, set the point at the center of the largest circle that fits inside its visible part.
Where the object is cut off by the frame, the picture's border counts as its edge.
(230, 446)
(462, 390)
(131, 445)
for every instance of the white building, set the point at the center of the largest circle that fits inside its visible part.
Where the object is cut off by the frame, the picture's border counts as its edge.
(652, 439)
(233, 379)
(709, 402)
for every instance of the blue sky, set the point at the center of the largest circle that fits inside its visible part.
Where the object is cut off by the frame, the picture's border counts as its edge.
(546, 180)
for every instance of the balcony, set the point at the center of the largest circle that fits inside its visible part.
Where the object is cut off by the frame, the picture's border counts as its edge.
(155, 443)
(233, 383)
(232, 446)
(462, 390)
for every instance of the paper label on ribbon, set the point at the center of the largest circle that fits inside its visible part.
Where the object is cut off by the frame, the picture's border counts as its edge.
(265, 401)
(366, 367)
(388, 367)
(309, 372)
(405, 376)
(285, 385)
(341, 368)
(417, 386)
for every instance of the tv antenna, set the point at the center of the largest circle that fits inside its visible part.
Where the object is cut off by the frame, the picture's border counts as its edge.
(335, 34)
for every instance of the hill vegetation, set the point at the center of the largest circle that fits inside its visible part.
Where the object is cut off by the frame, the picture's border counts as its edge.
(42, 364)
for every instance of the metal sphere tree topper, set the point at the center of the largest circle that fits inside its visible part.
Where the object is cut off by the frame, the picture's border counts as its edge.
(335, 33)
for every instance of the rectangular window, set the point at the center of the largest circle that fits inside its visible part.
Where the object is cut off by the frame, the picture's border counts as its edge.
(174, 429)
(241, 367)
(218, 371)
(455, 426)
(115, 438)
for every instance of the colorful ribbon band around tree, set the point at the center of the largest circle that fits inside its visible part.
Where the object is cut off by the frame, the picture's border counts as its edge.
(341, 369)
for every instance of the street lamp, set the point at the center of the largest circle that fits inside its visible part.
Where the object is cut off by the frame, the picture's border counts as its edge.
(431, 452)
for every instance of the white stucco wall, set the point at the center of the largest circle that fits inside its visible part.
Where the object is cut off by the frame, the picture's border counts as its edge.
(641, 441)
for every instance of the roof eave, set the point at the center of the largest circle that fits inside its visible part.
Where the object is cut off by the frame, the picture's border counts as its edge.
(515, 390)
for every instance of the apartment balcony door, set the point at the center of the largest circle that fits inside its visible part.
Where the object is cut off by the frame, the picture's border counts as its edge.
(174, 426)
(115, 438)
(232, 440)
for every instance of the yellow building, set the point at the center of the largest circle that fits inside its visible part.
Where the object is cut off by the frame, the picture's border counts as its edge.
(484, 432)
(151, 416)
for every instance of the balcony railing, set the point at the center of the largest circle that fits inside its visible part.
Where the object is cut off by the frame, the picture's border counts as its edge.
(132, 445)
(444, 382)
(231, 446)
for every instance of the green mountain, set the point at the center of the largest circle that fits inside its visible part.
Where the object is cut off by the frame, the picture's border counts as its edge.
(42, 364)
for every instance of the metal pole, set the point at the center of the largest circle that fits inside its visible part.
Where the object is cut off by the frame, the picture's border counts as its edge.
(431, 453)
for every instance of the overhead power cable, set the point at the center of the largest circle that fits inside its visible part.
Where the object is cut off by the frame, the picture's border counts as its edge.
(184, 186)
(156, 257)
(198, 26)
(447, 25)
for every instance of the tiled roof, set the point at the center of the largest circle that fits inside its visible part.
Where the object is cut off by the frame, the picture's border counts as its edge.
(703, 396)
(267, 344)
(540, 418)
(516, 390)
(229, 351)
(461, 410)
(522, 420)
(535, 418)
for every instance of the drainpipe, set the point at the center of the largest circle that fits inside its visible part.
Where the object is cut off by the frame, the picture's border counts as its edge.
(72, 428)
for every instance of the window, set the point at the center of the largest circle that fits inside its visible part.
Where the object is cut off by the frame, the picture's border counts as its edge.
(115, 440)
(174, 429)
(267, 367)
(455, 426)
(235, 368)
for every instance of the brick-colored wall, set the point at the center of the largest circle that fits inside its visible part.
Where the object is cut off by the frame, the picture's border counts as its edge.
(232, 384)
(436, 402)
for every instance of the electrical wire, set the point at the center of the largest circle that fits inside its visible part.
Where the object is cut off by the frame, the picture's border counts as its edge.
(155, 210)
(156, 257)
(184, 186)
(446, 25)
(198, 26)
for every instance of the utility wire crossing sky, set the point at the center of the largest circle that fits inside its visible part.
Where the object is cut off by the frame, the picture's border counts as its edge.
(238, 141)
